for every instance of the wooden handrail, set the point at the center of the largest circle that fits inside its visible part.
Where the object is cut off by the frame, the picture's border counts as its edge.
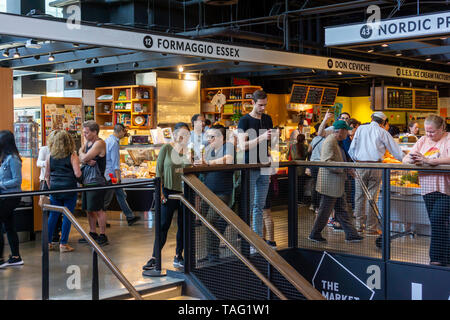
(285, 269)
(356, 165)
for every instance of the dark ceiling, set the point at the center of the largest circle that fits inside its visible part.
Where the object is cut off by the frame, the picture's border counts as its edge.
(295, 26)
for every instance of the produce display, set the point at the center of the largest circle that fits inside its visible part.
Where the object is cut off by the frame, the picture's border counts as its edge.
(406, 180)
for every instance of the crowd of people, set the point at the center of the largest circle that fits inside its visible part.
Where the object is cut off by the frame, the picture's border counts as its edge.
(339, 196)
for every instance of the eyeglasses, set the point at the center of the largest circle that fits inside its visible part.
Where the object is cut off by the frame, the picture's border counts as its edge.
(345, 118)
(210, 137)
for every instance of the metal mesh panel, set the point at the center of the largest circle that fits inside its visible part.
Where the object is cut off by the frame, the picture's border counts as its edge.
(419, 217)
(219, 269)
(341, 212)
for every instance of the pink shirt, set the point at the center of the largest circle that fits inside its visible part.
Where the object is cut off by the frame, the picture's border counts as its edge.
(433, 150)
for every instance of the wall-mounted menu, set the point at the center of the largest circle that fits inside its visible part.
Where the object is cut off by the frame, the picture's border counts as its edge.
(314, 95)
(399, 98)
(426, 99)
(329, 96)
(298, 94)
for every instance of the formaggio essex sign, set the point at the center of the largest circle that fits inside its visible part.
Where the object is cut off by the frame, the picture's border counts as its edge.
(145, 41)
(409, 27)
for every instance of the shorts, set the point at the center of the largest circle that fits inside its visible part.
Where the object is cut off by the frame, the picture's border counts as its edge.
(93, 200)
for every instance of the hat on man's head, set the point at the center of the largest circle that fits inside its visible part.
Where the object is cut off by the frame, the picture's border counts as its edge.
(341, 124)
(379, 115)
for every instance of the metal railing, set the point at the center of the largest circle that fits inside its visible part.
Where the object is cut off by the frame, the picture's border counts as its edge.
(96, 250)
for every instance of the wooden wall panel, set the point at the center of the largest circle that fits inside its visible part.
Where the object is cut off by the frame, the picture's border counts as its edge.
(6, 98)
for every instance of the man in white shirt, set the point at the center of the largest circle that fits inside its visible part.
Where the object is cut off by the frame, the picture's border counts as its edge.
(369, 145)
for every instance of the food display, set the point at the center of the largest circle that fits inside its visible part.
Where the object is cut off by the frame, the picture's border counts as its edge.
(405, 182)
(138, 162)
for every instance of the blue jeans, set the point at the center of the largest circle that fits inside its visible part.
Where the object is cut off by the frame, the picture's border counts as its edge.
(259, 186)
(438, 208)
(121, 197)
(69, 201)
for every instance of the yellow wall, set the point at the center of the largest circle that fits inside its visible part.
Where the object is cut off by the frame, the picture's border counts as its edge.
(358, 107)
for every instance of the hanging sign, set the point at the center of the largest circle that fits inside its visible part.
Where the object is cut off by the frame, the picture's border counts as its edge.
(400, 28)
(153, 42)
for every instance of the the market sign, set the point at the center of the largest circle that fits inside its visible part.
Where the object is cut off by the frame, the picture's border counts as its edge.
(336, 282)
(154, 42)
(392, 29)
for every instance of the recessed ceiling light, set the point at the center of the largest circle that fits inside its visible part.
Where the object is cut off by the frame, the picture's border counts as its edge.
(339, 73)
(443, 38)
(72, 71)
(384, 45)
(180, 69)
(370, 50)
(16, 54)
(398, 54)
(428, 59)
(51, 57)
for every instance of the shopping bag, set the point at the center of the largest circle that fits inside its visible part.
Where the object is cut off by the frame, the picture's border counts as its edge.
(92, 175)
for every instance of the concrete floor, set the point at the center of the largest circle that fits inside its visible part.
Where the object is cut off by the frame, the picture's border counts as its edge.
(129, 249)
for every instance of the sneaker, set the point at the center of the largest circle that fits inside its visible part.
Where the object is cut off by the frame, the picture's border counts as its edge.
(102, 240)
(178, 262)
(318, 239)
(133, 220)
(12, 262)
(354, 239)
(65, 248)
(330, 222)
(272, 244)
(150, 265)
(375, 233)
(53, 247)
(337, 226)
(93, 235)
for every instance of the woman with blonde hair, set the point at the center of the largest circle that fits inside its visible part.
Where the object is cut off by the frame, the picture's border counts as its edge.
(62, 171)
(434, 149)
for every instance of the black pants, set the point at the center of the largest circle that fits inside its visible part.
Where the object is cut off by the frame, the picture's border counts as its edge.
(167, 211)
(7, 207)
(438, 208)
(315, 196)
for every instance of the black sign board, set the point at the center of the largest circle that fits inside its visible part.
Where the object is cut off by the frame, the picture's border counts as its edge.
(426, 100)
(399, 98)
(335, 282)
(329, 96)
(314, 95)
(298, 94)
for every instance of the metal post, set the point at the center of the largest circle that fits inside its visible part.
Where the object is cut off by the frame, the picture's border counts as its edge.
(188, 236)
(45, 257)
(157, 272)
(293, 207)
(245, 206)
(95, 285)
(386, 245)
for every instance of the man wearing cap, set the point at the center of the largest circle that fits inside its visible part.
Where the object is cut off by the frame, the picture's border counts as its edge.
(369, 145)
(331, 185)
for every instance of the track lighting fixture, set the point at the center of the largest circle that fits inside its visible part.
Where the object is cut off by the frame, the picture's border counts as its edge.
(88, 61)
(180, 69)
(95, 60)
(51, 57)
(6, 53)
(135, 64)
(16, 54)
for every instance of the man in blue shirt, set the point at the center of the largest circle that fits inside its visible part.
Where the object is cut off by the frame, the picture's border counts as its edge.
(113, 167)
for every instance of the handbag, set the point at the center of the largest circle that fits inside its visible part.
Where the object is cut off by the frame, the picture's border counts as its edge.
(43, 199)
(92, 175)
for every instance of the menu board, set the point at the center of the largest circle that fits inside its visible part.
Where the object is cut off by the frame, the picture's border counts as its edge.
(426, 99)
(329, 96)
(298, 94)
(399, 98)
(314, 95)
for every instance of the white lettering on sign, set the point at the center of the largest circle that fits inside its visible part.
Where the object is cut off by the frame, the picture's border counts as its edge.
(330, 290)
(374, 280)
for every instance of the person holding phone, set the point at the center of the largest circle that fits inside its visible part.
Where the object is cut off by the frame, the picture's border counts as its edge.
(434, 149)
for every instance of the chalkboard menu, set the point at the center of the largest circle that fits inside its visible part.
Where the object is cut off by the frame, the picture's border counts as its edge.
(298, 94)
(426, 99)
(314, 95)
(399, 98)
(329, 96)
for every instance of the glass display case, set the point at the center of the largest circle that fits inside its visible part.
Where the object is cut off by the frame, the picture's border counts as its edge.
(138, 161)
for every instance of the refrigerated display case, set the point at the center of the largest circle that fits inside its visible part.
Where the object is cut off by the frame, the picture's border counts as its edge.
(138, 161)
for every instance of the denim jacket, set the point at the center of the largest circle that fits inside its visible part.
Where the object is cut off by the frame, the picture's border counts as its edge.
(10, 174)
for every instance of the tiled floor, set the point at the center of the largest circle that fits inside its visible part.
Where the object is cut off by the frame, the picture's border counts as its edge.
(129, 249)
